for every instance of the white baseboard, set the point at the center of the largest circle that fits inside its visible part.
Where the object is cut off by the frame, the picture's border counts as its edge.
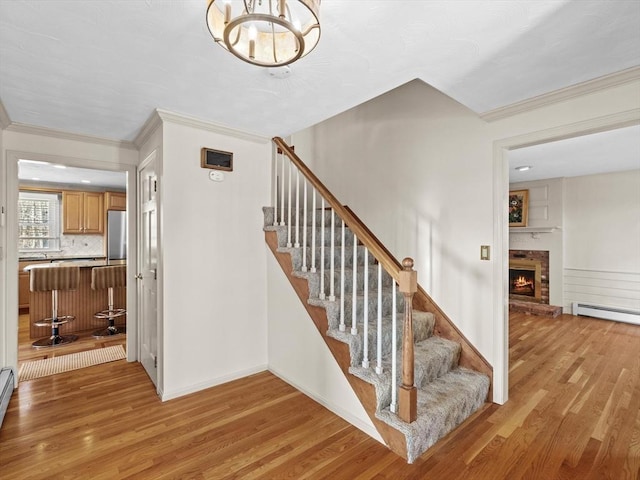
(348, 417)
(171, 394)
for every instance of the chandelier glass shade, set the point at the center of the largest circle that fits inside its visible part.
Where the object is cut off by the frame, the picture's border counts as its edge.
(268, 33)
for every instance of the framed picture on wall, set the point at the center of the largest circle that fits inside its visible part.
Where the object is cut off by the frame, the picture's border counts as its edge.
(518, 208)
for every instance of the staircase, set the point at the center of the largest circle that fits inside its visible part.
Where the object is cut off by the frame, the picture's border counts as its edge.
(415, 374)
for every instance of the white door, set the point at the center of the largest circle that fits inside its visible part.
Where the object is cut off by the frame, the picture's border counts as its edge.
(147, 276)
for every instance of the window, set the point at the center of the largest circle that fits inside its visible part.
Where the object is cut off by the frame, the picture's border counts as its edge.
(38, 221)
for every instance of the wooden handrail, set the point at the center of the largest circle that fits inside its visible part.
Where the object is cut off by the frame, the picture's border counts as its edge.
(381, 254)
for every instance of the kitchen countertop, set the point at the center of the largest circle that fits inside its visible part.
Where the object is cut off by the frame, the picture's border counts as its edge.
(75, 263)
(54, 258)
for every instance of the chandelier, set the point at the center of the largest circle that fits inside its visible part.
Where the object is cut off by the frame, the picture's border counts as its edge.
(268, 33)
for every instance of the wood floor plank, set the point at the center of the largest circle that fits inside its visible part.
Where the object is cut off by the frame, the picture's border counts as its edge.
(573, 414)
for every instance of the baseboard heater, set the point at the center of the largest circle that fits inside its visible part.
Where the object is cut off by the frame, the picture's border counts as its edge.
(6, 389)
(607, 313)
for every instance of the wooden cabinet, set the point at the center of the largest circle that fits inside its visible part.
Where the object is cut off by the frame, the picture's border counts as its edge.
(116, 200)
(23, 290)
(82, 212)
(23, 283)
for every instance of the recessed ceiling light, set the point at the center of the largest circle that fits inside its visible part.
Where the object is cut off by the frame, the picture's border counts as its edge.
(35, 178)
(60, 166)
(524, 168)
(85, 181)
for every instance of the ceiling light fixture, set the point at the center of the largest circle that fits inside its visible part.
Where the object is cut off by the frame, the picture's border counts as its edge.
(524, 168)
(268, 33)
(85, 181)
(61, 167)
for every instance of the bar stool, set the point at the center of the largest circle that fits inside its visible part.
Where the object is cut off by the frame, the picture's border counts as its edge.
(54, 279)
(109, 277)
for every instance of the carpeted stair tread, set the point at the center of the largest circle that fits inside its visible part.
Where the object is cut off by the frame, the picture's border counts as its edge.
(423, 323)
(433, 357)
(442, 405)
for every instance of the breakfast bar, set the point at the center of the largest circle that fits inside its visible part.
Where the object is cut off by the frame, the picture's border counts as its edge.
(82, 303)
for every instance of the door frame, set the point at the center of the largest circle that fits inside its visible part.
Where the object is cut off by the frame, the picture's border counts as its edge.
(501, 149)
(10, 342)
(153, 157)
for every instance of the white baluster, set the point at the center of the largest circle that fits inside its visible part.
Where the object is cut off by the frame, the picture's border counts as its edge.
(354, 289)
(297, 244)
(342, 325)
(304, 231)
(275, 185)
(379, 332)
(332, 286)
(394, 384)
(365, 310)
(289, 209)
(282, 191)
(322, 294)
(313, 231)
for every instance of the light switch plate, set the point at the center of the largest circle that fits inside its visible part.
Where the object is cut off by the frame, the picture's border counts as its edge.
(485, 252)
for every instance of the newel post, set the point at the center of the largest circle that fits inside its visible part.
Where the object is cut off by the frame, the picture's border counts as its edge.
(408, 394)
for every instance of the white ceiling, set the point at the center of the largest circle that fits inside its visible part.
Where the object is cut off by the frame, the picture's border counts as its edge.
(102, 67)
(35, 172)
(611, 151)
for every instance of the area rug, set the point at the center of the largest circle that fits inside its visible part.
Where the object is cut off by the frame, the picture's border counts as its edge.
(66, 363)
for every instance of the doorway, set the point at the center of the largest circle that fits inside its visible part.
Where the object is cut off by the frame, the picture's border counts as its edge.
(501, 226)
(20, 323)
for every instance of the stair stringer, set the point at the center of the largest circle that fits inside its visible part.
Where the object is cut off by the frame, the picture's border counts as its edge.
(365, 392)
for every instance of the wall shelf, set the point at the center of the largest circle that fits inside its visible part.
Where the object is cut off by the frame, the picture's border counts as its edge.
(533, 229)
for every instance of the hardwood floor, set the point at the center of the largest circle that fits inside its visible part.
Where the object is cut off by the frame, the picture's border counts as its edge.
(27, 353)
(574, 413)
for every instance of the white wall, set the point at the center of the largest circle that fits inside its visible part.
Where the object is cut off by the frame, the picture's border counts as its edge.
(399, 162)
(299, 355)
(602, 239)
(545, 210)
(214, 267)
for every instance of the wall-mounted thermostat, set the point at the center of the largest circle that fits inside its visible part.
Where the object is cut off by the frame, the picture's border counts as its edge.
(216, 176)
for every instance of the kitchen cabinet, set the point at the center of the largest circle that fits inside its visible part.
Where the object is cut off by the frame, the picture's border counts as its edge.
(116, 200)
(23, 283)
(82, 212)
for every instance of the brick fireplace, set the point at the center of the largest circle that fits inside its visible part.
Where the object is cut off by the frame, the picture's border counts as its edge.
(529, 276)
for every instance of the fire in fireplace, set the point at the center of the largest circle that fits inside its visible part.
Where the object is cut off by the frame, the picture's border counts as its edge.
(522, 282)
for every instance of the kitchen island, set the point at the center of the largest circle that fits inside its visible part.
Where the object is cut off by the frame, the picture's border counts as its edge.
(83, 303)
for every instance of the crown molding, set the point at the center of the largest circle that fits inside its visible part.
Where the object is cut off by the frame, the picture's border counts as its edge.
(193, 122)
(61, 134)
(5, 121)
(583, 88)
(153, 122)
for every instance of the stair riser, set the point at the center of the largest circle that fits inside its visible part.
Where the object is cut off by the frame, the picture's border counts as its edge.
(319, 214)
(421, 331)
(348, 280)
(372, 307)
(325, 240)
(296, 257)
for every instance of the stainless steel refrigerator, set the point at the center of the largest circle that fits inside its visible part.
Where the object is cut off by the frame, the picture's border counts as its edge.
(116, 235)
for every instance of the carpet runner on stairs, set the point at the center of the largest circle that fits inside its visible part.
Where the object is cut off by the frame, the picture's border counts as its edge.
(447, 393)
